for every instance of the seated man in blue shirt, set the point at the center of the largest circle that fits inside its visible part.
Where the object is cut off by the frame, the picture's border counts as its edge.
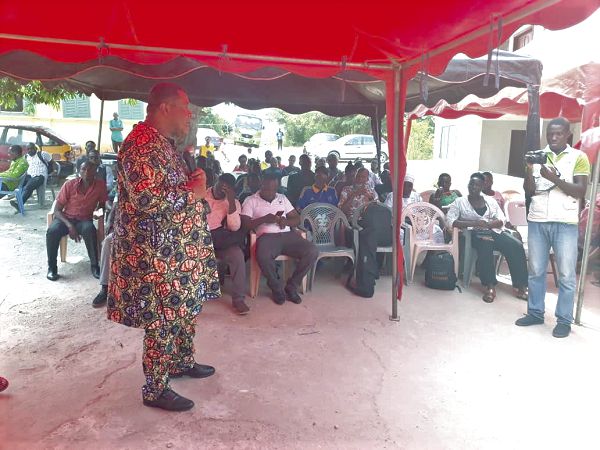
(319, 192)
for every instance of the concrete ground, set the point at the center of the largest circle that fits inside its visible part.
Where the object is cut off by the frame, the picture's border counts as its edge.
(333, 372)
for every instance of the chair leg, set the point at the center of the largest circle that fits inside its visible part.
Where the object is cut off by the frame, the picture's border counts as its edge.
(312, 272)
(41, 194)
(469, 269)
(413, 262)
(63, 249)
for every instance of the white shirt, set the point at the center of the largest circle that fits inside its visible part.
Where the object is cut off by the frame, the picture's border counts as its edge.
(374, 180)
(462, 209)
(36, 166)
(414, 197)
(256, 207)
(219, 209)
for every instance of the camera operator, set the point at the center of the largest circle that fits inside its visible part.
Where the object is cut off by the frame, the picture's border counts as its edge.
(556, 179)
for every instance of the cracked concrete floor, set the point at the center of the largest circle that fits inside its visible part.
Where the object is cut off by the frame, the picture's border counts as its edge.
(333, 372)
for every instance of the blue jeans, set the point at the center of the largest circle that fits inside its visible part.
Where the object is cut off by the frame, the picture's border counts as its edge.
(562, 238)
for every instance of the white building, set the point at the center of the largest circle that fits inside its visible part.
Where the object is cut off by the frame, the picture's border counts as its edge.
(77, 120)
(470, 143)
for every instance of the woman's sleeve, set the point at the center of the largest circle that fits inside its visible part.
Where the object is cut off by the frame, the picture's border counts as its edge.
(453, 214)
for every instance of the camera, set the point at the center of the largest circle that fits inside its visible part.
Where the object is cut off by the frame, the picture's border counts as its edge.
(536, 157)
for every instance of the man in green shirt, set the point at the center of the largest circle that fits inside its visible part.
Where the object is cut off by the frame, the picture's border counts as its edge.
(116, 128)
(18, 166)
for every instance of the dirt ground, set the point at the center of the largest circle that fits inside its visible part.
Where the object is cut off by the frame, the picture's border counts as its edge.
(333, 372)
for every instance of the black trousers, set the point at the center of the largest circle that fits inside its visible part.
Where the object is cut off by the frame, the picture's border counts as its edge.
(58, 229)
(510, 247)
(377, 231)
(223, 238)
(270, 245)
(31, 184)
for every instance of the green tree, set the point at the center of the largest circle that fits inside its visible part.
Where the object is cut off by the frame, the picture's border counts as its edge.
(420, 144)
(299, 128)
(208, 119)
(32, 93)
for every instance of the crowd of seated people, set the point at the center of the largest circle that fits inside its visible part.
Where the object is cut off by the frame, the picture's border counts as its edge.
(256, 202)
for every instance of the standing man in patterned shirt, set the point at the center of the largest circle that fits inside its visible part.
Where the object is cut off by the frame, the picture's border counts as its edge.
(163, 265)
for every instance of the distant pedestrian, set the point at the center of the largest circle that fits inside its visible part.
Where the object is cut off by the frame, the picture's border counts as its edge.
(279, 139)
(116, 128)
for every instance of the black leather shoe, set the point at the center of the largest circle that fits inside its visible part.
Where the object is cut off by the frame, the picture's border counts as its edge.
(100, 299)
(528, 320)
(171, 401)
(52, 275)
(279, 297)
(561, 330)
(198, 371)
(96, 272)
(292, 295)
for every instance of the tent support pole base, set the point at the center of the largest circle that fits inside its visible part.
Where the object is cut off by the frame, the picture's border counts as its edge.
(586, 242)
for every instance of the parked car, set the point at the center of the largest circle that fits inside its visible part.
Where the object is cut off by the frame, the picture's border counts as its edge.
(318, 143)
(353, 146)
(46, 139)
(201, 135)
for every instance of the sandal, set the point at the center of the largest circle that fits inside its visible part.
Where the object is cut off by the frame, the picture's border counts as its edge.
(489, 295)
(521, 294)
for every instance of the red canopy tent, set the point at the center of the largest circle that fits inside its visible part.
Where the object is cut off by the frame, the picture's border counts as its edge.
(565, 95)
(388, 40)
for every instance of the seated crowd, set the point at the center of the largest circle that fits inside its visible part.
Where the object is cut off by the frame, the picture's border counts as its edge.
(258, 202)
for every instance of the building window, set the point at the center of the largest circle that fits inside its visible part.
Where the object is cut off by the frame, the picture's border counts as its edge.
(78, 107)
(18, 108)
(447, 141)
(131, 111)
(522, 39)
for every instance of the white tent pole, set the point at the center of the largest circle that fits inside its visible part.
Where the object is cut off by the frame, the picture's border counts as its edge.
(100, 123)
(586, 242)
(395, 179)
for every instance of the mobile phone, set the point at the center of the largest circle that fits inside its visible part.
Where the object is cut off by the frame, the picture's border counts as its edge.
(279, 213)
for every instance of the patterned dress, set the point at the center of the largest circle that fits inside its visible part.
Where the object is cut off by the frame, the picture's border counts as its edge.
(163, 265)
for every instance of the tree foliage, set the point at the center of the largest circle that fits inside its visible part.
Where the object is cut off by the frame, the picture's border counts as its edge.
(32, 93)
(208, 119)
(420, 144)
(299, 128)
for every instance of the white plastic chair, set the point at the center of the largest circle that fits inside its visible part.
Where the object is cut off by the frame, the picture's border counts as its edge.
(323, 220)
(423, 217)
(516, 214)
(255, 271)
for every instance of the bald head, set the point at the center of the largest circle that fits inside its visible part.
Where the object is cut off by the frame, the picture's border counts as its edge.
(168, 110)
(163, 93)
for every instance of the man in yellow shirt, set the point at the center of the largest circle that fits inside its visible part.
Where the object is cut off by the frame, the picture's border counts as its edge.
(207, 147)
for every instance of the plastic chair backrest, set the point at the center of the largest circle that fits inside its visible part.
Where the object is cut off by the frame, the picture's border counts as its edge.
(516, 213)
(323, 218)
(422, 216)
(511, 195)
(426, 194)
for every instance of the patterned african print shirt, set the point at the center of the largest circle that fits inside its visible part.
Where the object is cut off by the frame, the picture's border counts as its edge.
(162, 262)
